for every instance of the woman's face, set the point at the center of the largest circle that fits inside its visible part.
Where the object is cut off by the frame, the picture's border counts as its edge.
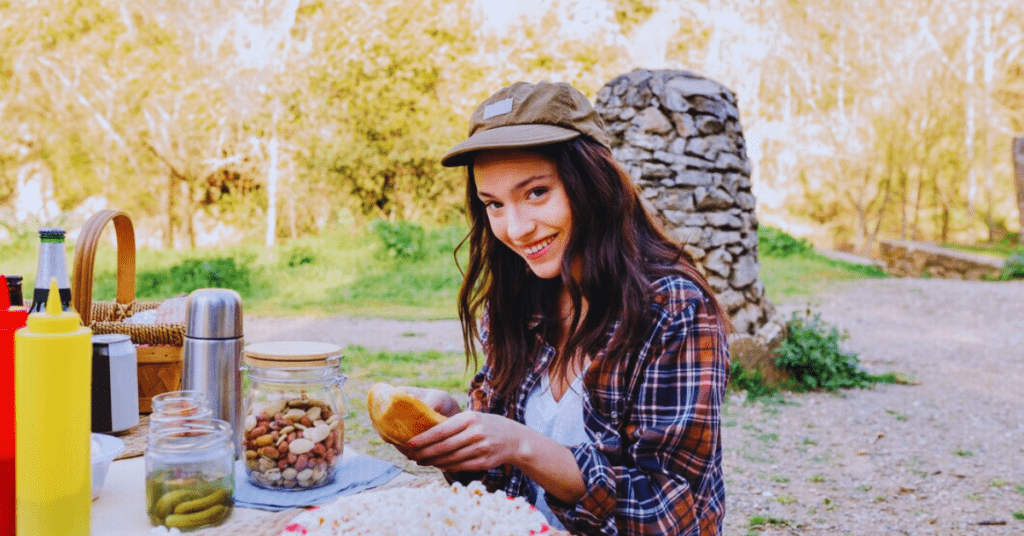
(527, 206)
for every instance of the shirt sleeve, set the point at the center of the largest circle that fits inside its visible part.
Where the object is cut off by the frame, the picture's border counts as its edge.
(660, 472)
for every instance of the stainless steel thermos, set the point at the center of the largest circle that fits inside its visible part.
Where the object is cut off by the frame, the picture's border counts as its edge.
(212, 353)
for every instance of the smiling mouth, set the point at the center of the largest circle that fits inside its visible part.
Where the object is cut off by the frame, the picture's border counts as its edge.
(540, 248)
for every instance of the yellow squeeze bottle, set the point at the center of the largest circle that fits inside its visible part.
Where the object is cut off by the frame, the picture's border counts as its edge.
(52, 383)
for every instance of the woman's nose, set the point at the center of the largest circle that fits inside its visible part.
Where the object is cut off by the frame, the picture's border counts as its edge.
(518, 225)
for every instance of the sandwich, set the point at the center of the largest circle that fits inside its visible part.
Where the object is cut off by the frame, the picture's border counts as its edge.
(398, 416)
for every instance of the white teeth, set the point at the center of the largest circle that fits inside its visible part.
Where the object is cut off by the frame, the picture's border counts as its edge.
(537, 247)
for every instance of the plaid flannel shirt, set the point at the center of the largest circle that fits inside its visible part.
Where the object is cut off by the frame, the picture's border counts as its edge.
(654, 464)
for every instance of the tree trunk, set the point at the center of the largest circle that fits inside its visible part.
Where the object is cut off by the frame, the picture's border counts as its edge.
(969, 130)
(171, 219)
(1018, 168)
(272, 179)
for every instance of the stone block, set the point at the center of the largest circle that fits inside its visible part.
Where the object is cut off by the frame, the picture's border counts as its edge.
(744, 272)
(723, 238)
(692, 177)
(694, 86)
(694, 252)
(723, 220)
(653, 171)
(719, 261)
(707, 124)
(685, 125)
(674, 100)
(707, 106)
(629, 153)
(731, 300)
(644, 141)
(651, 120)
(687, 235)
(712, 198)
(701, 148)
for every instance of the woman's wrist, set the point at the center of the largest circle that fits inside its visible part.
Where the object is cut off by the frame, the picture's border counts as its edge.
(550, 464)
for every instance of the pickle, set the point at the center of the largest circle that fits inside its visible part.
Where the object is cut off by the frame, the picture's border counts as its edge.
(202, 503)
(210, 516)
(170, 500)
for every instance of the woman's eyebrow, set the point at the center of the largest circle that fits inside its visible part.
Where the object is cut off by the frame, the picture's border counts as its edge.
(518, 186)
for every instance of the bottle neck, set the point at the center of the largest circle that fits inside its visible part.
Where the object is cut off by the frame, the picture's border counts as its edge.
(52, 264)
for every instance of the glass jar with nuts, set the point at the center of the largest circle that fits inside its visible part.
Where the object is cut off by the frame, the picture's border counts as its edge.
(294, 428)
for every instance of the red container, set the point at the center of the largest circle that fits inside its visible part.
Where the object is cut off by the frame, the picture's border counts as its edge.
(11, 319)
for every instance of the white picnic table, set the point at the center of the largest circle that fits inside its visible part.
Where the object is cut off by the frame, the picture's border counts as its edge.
(120, 509)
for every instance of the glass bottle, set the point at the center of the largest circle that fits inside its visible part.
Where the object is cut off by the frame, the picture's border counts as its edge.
(14, 291)
(52, 264)
(190, 474)
(294, 427)
(11, 320)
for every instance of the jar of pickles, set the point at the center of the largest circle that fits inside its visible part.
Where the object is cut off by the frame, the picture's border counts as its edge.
(190, 473)
(294, 427)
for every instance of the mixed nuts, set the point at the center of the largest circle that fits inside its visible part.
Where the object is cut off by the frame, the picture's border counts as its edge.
(294, 441)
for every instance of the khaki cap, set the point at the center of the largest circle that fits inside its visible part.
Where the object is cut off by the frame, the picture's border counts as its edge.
(528, 115)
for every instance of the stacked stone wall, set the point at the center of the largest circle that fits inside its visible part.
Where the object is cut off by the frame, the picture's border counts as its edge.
(679, 137)
(923, 259)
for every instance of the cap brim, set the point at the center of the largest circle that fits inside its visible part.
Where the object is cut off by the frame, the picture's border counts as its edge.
(507, 137)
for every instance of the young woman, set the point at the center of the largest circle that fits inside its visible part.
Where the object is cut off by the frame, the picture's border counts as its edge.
(605, 350)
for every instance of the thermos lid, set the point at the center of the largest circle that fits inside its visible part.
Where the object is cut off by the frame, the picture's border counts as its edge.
(290, 354)
(213, 313)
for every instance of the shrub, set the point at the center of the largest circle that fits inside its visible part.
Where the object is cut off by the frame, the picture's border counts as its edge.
(192, 274)
(812, 357)
(401, 239)
(299, 255)
(1014, 267)
(752, 382)
(774, 242)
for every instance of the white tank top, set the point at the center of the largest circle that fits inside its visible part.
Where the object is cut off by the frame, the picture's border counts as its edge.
(561, 421)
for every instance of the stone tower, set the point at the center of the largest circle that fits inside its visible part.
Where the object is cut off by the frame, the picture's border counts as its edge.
(679, 137)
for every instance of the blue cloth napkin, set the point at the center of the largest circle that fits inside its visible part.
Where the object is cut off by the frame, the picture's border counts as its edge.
(354, 473)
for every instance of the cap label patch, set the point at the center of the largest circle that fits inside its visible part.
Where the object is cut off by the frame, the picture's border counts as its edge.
(501, 107)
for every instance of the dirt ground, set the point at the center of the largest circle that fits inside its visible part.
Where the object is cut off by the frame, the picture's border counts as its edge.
(942, 456)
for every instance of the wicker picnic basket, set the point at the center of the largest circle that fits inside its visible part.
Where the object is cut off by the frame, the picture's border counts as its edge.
(158, 345)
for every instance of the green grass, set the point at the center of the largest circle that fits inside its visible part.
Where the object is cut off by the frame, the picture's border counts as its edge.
(808, 274)
(386, 270)
(1009, 245)
(339, 272)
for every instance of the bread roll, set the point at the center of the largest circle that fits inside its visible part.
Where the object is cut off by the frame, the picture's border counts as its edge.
(398, 416)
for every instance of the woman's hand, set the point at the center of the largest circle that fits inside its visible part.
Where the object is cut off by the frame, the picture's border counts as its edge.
(441, 401)
(470, 441)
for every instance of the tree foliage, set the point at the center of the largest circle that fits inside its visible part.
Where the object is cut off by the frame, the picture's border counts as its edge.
(867, 120)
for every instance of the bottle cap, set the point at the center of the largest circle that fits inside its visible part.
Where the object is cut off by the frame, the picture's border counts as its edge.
(53, 320)
(51, 233)
(10, 318)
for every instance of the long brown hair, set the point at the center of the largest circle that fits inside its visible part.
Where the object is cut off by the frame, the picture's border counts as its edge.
(621, 251)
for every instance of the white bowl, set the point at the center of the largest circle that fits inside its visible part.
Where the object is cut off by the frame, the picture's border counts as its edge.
(104, 449)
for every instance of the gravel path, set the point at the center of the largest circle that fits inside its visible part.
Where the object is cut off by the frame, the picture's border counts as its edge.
(943, 456)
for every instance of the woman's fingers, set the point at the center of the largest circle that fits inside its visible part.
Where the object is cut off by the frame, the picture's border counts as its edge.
(441, 401)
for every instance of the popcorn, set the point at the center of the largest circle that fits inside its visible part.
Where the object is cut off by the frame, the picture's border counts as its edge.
(428, 511)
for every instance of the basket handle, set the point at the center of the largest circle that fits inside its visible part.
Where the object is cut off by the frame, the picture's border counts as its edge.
(85, 258)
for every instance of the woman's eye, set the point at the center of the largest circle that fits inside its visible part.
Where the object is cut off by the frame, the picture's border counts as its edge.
(537, 192)
(492, 205)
